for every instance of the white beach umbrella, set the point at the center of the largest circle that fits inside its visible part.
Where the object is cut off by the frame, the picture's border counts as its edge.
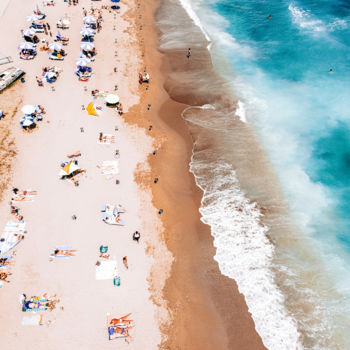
(63, 21)
(33, 18)
(29, 32)
(86, 32)
(89, 19)
(112, 99)
(55, 46)
(25, 46)
(28, 109)
(82, 62)
(68, 169)
(87, 46)
(26, 121)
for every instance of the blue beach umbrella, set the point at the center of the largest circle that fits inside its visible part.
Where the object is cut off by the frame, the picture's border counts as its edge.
(26, 121)
(115, 0)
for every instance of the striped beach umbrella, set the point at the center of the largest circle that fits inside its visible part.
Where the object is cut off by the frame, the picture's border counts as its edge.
(87, 46)
(25, 46)
(26, 121)
(55, 46)
(83, 62)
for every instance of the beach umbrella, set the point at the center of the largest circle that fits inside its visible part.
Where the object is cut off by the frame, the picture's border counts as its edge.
(55, 46)
(29, 32)
(86, 32)
(115, 0)
(63, 21)
(83, 62)
(112, 99)
(26, 121)
(89, 19)
(33, 18)
(26, 46)
(28, 109)
(91, 109)
(68, 169)
(87, 46)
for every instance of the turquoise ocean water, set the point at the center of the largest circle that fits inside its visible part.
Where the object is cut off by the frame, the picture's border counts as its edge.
(288, 62)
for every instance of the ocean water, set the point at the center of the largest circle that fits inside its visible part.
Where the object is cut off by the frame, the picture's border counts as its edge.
(271, 128)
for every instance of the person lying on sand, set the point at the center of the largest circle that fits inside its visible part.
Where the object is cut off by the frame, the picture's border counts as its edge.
(4, 261)
(64, 252)
(3, 276)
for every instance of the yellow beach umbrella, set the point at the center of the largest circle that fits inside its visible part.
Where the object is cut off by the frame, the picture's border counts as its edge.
(91, 109)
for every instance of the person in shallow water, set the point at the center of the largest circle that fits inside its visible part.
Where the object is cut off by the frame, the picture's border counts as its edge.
(188, 53)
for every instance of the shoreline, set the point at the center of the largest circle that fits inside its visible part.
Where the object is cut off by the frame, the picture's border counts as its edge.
(196, 289)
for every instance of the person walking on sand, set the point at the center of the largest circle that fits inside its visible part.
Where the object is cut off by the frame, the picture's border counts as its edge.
(125, 262)
(188, 53)
(136, 236)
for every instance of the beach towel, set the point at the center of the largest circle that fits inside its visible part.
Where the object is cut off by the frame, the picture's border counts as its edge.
(109, 167)
(106, 270)
(24, 196)
(112, 220)
(12, 235)
(106, 139)
(62, 247)
(34, 320)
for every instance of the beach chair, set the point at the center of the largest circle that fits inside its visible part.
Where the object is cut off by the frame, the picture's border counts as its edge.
(120, 328)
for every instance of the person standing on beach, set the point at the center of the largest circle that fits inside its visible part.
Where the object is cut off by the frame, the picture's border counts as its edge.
(188, 53)
(136, 236)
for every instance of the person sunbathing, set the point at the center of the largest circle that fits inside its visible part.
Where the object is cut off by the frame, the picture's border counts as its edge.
(4, 261)
(64, 252)
(31, 305)
(3, 276)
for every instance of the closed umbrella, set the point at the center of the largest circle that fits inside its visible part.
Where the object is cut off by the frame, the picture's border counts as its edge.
(33, 18)
(26, 46)
(55, 46)
(89, 19)
(87, 46)
(28, 109)
(29, 32)
(87, 32)
(112, 99)
(83, 62)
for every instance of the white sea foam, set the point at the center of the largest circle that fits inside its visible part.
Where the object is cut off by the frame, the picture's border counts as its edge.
(244, 253)
(188, 8)
(240, 112)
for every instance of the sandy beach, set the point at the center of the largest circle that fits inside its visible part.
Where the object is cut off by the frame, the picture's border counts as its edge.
(173, 286)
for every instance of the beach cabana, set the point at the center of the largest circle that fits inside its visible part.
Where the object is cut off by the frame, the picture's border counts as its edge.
(112, 100)
(26, 46)
(82, 62)
(86, 46)
(87, 32)
(55, 46)
(89, 19)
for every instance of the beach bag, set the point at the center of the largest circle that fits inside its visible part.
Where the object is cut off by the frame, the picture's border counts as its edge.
(116, 281)
(103, 249)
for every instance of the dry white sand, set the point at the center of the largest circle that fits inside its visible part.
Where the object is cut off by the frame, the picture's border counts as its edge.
(82, 323)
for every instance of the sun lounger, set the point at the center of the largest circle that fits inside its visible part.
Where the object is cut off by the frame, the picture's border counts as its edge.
(110, 209)
(75, 154)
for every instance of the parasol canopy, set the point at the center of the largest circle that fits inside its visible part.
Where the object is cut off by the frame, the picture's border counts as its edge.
(115, 1)
(83, 62)
(87, 46)
(27, 121)
(26, 46)
(87, 32)
(68, 169)
(29, 32)
(89, 19)
(112, 99)
(28, 109)
(55, 46)
(63, 21)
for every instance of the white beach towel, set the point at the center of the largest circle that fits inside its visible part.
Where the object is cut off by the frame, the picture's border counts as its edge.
(11, 236)
(106, 270)
(109, 167)
(33, 320)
